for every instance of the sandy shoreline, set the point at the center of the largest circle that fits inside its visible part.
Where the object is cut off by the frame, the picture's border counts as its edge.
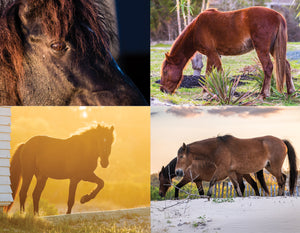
(241, 215)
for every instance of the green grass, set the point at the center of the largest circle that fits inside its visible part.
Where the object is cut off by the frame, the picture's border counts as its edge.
(137, 220)
(194, 96)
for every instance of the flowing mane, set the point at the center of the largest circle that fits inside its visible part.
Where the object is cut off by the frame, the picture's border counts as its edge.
(99, 129)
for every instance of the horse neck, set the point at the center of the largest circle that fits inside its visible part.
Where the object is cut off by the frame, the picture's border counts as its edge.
(88, 143)
(183, 48)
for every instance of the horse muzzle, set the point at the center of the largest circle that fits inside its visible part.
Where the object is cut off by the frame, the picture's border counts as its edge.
(162, 89)
(161, 194)
(179, 172)
(104, 164)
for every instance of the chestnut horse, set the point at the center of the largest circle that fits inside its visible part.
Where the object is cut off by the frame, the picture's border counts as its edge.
(232, 156)
(214, 33)
(74, 158)
(57, 52)
(201, 171)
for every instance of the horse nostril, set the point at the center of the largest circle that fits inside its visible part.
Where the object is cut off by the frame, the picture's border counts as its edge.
(179, 172)
(160, 194)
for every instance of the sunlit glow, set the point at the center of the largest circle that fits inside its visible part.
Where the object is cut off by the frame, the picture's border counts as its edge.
(126, 179)
(171, 126)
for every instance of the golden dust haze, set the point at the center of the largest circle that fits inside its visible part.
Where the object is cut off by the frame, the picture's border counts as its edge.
(126, 179)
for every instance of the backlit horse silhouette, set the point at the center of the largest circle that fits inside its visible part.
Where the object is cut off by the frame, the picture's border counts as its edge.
(74, 158)
(214, 33)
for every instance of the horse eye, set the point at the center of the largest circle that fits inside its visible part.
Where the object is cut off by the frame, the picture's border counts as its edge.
(59, 46)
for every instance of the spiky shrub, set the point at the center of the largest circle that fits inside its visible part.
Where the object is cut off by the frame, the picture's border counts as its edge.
(221, 89)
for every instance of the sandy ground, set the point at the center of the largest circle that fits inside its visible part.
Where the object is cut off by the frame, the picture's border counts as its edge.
(238, 215)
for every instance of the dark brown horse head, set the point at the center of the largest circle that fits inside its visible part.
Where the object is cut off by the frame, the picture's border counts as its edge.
(56, 52)
(184, 160)
(164, 182)
(171, 75)
(105, 141)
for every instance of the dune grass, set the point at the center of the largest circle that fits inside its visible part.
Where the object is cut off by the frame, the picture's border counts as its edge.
(133, 220)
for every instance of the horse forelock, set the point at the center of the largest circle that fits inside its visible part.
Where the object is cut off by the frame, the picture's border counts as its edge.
(86, 23)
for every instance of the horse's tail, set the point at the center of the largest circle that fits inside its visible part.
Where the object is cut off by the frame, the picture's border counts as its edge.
(15, 175)
(293, 166)
(279, 54)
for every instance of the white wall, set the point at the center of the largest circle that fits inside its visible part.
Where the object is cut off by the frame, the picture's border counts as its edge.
(5, 190)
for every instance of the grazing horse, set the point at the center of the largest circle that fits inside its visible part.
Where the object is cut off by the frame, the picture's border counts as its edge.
(74, 158)
(214, 33)
(56, 52)
(233, 156)
(198, 172)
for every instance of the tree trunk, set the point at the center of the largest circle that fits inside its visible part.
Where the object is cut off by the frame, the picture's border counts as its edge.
(197, 64)
(178, 16)
(182, 3)
(189, 17)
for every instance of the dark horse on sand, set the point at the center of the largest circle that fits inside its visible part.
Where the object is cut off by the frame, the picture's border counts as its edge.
(232, 156)
(201, 171)
(214, 33)
(57, 52)
(74, 158)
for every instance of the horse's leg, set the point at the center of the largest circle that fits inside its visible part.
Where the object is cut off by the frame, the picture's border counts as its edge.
(281, 178)
(94, 179)
(72, 190)
(289, 81)
(182, 183)
(213, 61)
(199, 187)
(39, 187)
(234, 179)
(24, 188)
(249, 179)
(265, 60)
(261, 179)
(219, 174)
(241, 183)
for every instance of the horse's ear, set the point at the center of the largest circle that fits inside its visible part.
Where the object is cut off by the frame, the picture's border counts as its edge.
(183, 146)
(112, 128)
(23, 9)
(167, 55)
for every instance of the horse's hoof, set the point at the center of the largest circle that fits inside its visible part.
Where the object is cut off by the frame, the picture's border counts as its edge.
(84, 199)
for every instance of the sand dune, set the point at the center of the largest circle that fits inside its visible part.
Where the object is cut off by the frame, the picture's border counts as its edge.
(238, 215)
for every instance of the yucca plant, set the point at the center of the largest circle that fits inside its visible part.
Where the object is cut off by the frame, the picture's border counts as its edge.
(221, 89)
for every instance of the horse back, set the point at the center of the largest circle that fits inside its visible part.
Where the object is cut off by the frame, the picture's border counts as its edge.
(231, 33)
(248, 154)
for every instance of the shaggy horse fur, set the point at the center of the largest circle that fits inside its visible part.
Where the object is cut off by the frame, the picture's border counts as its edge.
(56, 52)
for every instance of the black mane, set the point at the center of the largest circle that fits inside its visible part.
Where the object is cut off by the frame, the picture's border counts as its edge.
(224, 138)
(170, 168)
